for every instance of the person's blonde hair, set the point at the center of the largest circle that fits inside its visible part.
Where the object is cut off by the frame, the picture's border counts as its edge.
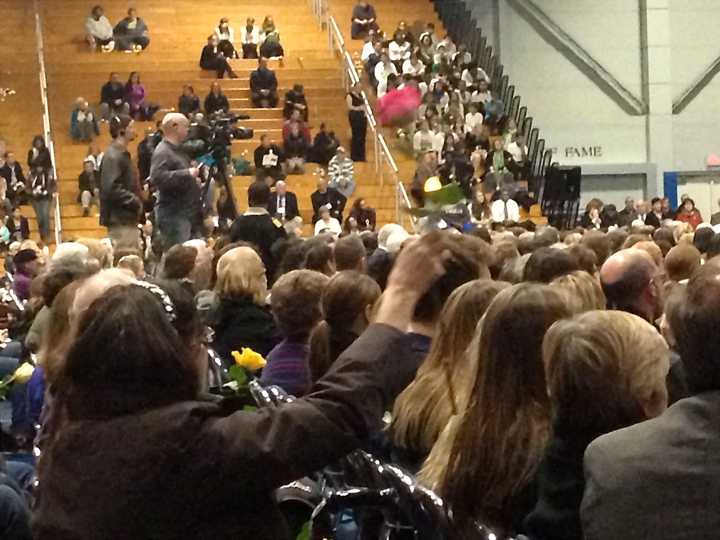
(241, 272)
(583, 289)
(491, 452)
(605, 370)
(440, 388)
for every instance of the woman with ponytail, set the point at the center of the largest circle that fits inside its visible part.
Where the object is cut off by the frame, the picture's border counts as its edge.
(347, 303)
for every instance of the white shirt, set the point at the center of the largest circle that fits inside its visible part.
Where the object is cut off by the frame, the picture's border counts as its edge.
(472, 120)
(481, 97)
(399, 51)
(228, 35)
(516, 152)
(250, 37)
(438, 142)
(382, 71)
(97, 161)
(332, 226)
(418, 68)
(367, 51)
(474, 75)
(497, 210)
(423, 142)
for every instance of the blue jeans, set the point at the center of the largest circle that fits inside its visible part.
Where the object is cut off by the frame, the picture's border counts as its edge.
(42, 212)
(14, 515)
(173, 229)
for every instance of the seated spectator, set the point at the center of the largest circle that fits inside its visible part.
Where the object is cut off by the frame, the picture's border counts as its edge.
(18, 226)
(216, 101)
(250, 38)
(347, 304)
(88, 187)
(296, 118)
(479, 207)
(633, 283)
(689, 214)
(324, 146)
(140, 108)
(497, 459)
(505, 209)
(413, 66)
(269, 159)
(655, 217)
(26, 268)
(682, 262)
(341, 173)
(399, 50)
(548, 263)
(295, 150)
(329, 198)
(423, 140)
(188, 103)
(327, 224)
(383, 70)
(243, 319)
(473, 118)
(14, 177)
(591, 219)
(350, 253)
(442, 383)
(270, 47)
(605, 371)
(364, 215)
(213, 59)
(296, 307)
(499, 160)
(263, 86)
(257, 227)
(473, 75)
(99, 31)
(295, 101)
(363, 20)
(583, 289)
(283, 203)
(83, 124)
(627, 472)
(226, 37)
(426, 49)
(112, 98)
(131, 34)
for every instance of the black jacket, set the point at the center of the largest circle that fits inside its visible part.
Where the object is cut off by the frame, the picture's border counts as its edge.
(6, 172)
(111, 92)
(263, 79)
(291, 205)
(42, 160)
(626, 217)
(261, 230)
(210, 57)
(87, 181)
(260, 152)
(652, 220)
(295, 146)
(119, 205)
(242, 323)
(200, 470)
(188, 105)
(215, 103)
(334, 198)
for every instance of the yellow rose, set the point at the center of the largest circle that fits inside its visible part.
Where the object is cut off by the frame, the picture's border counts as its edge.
(23, 373)
(249, 359)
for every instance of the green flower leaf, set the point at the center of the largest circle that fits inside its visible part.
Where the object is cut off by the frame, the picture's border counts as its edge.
(239, 375)
(304, 532)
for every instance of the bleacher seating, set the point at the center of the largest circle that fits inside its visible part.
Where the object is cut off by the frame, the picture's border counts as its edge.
(178, 31)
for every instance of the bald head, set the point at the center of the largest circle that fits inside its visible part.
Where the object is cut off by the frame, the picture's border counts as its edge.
(175, 127)
(628, 281)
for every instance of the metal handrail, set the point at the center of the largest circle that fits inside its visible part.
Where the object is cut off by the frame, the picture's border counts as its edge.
(47, 131)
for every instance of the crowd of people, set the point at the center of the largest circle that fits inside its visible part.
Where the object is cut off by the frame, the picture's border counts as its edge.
(554, 384)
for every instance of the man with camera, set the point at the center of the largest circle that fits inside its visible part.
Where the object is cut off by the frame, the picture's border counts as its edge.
(177, 183)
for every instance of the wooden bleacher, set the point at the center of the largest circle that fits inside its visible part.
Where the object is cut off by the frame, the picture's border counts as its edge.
(21, 114)
(178, 31)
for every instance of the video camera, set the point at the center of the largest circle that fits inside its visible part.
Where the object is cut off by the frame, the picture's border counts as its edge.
(214, 135)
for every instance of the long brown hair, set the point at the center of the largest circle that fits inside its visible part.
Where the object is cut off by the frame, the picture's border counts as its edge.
(491, 452)
(346, 296)
(441, 385)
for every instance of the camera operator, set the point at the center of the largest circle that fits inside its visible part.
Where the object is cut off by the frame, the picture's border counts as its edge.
(177, 183)
(119, 202)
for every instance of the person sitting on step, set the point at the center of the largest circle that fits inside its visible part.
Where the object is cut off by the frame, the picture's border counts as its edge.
(131, 34)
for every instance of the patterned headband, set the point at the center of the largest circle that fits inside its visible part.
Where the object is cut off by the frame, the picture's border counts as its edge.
(157, 292)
